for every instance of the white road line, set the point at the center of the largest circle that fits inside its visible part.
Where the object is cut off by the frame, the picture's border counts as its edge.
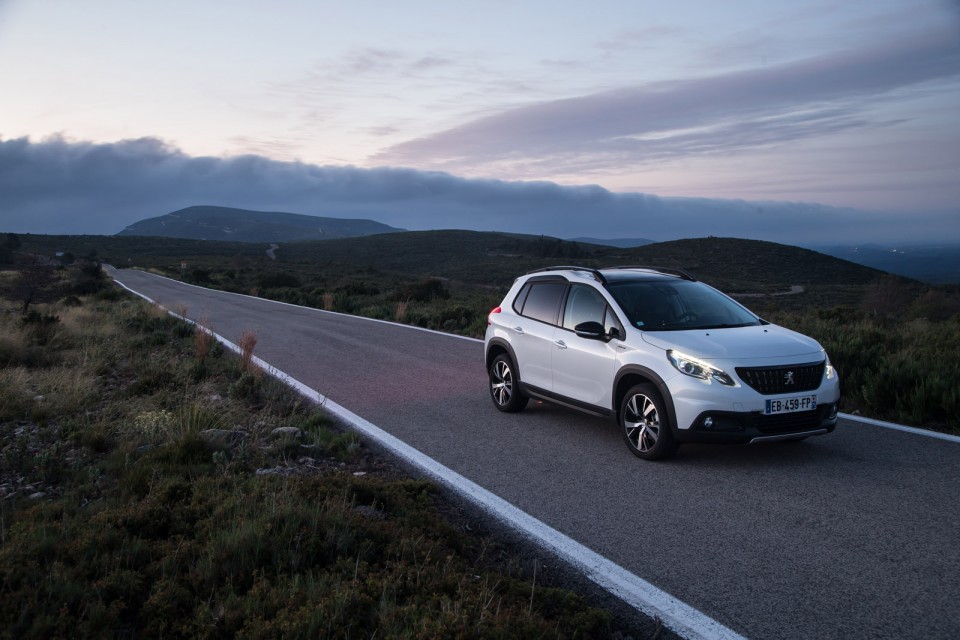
(900, 427)
(676, 615)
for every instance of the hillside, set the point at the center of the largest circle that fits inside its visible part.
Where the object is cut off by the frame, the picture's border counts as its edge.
(242, 225)
(473, 256)
(481, 258)
(623, 243)
(733, 260)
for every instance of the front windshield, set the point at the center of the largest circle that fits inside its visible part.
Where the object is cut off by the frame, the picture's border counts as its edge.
(678, 306)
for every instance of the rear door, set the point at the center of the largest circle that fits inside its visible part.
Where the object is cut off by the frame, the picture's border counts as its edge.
(538, 310)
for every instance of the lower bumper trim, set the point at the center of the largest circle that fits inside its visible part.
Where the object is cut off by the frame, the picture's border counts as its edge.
(788, 436)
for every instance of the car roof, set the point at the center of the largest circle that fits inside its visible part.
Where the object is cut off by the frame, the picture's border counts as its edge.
(615, 274)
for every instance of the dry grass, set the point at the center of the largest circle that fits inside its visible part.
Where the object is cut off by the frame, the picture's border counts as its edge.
(65, 389)
(202, 339)
(247, 341)
(15, 391)
(400, 313)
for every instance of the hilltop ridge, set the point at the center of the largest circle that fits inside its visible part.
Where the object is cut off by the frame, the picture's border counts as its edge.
(243, 225)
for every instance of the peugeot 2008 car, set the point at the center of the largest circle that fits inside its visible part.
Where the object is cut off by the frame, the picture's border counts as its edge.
(671, 359)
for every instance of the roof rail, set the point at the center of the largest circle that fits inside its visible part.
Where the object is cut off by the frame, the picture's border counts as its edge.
(596, 274)
(665, 270)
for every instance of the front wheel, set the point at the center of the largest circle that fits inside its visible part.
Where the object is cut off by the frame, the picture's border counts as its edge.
(646, 427)
(504, 387)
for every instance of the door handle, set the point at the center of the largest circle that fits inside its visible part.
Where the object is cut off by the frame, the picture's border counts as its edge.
(519, 330)
(560, 343)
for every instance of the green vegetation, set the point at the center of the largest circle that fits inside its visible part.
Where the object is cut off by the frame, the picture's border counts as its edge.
(894, 340)
(905, 368)
(152, 485)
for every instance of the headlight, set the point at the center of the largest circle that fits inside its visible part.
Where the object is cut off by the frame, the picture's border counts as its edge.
(697, 368)
(829, 371)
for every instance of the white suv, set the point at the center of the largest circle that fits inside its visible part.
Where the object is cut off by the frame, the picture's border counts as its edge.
(672, 359)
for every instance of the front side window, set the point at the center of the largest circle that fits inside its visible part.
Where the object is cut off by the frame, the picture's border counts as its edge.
(678, 306)
(584, 304)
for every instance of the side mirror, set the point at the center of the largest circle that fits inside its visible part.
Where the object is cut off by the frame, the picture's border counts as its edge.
(591, 331)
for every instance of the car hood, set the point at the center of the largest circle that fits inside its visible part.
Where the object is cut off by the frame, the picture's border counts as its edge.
(740, 343)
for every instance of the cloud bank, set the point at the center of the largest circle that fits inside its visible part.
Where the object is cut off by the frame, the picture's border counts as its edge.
(63, 187)
(696, 116)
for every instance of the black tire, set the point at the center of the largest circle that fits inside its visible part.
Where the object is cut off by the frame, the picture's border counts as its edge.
(645, 424)
(504, 385)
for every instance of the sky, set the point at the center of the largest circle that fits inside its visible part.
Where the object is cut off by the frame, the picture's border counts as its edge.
(778, 120)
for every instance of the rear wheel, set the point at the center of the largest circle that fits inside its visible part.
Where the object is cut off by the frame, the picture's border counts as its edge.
(646, 427)
(504, 385)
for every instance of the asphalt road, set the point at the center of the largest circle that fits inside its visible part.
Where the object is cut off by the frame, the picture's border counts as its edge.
(851, 535)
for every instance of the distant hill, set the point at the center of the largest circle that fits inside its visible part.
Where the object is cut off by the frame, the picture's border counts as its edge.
(623, 243)
(242, 225)
(733, 265)
(936, 264)
(474, 256)
(733, 259)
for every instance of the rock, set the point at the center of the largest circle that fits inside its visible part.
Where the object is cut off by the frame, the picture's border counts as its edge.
(277, 471)
(37, 495)
(286, 432)
(369, 512)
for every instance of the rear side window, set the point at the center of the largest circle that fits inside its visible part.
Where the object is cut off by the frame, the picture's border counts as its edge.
(541, 301)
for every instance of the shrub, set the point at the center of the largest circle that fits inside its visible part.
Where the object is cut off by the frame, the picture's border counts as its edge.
(423, 291)
(39, 327)
(279, 280)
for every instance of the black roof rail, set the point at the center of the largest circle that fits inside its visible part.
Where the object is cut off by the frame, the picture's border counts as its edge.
(566, 267)
(670, 271)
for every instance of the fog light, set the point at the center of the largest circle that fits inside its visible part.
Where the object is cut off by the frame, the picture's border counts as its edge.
(708, 422)
(834, 410)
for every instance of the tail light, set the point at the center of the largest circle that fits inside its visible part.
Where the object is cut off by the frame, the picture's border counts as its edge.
(492, 311)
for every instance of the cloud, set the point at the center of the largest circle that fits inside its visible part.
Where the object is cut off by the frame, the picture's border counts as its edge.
(63, 187)
(694, 116)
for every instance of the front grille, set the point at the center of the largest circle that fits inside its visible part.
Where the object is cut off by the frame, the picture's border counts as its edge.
(774, 380)
(789, 422)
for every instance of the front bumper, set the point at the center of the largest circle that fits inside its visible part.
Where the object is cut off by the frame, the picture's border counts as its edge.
(750, 427)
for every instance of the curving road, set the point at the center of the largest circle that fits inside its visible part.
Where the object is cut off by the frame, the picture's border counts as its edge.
(852, 535)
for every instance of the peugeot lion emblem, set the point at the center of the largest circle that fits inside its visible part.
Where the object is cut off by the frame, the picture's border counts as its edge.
(788, 378)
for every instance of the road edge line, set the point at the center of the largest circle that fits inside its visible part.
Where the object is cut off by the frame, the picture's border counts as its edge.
(900, 427)
(675, 614)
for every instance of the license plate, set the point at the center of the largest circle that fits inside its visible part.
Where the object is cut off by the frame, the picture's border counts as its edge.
(790, 405)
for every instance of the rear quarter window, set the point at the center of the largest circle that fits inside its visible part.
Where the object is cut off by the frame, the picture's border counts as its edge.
(542, 301)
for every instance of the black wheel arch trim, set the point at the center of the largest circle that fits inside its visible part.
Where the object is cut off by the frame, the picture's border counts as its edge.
(500, 343)
(649, 374)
